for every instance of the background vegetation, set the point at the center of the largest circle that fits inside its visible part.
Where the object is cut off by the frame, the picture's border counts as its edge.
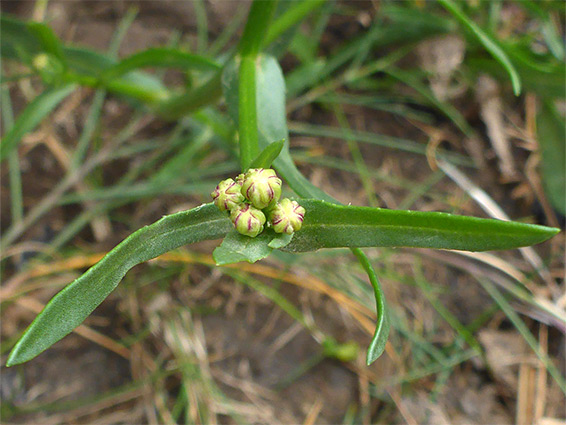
(394, 104)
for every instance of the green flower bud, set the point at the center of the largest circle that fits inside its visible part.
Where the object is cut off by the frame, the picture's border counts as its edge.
(227, 195)
(247, 220)
(287, 216)
(261, 187)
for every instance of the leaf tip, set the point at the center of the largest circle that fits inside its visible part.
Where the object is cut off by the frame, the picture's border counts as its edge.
(370, 357)
(13, 358)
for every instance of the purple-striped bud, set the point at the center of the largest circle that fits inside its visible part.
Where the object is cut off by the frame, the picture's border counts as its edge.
(227, 195)
(287, 216)
(261, 187)
(247, 220)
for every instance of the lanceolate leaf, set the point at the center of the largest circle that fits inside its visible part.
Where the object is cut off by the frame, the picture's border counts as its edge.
(381, 334)
(268, 155)
(32, 115)
(73, 304)
(328, 225)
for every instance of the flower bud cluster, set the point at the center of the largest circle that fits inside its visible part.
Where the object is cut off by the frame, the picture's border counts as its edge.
(253, 199)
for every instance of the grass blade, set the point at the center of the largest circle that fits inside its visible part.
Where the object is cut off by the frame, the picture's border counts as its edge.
(490, 44)
(499, 298)
(32, 115)
(551, 138)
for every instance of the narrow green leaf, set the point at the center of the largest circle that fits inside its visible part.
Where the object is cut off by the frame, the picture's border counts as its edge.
(490, 44)
(14, 36)
(547, 84)
(328, 225)
(552, 144)
(237, 247)
(446, 108)
(163, 57)
(32, 115)
(523, 329)
(70, 307)
(382, 326)
(268, 155)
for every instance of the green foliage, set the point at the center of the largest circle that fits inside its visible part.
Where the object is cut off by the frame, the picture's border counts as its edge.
(31, 116)
(488, 42)
(162, 57)
(254, 90)
(552, 140)
(236, 247)
(77, 301)
(328, 225)
(268, 155)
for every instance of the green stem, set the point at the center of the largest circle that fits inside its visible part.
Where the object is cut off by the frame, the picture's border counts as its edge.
(16, 204)
(247, 113)
(259, 19)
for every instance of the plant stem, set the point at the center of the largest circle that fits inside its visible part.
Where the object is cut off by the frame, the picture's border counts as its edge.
(247, 113)
(259, 18)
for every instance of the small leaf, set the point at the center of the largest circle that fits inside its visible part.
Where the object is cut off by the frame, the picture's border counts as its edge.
(281, 240)
(328, 225)
(236, 247)
(71, 306)
(268, 155)
(32, 115)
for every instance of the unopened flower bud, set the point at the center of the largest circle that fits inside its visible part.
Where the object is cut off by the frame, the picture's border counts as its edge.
(287, 216)
(261, 187)
(247, 220)
(227, 195)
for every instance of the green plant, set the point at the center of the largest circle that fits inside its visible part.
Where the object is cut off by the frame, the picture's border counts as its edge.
(253, 87)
